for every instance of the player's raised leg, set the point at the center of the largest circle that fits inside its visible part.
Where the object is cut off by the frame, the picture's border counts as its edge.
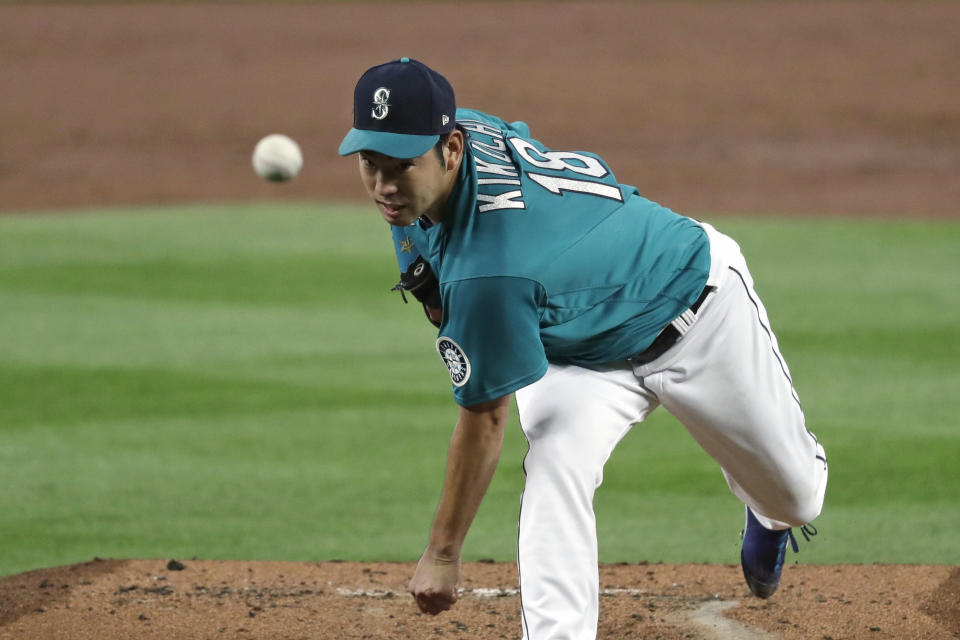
(729, 385)
(572, 419)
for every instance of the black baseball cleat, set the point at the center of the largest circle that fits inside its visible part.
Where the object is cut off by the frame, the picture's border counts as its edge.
(762, 554)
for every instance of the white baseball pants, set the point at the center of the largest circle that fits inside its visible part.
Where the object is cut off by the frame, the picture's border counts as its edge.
(725, 380)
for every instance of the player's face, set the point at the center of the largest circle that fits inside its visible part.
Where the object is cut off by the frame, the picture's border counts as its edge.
(405, 189)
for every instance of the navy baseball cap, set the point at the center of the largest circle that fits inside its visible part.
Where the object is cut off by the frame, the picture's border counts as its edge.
(400, 109)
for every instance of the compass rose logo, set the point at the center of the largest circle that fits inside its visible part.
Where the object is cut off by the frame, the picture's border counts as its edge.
(455, 359)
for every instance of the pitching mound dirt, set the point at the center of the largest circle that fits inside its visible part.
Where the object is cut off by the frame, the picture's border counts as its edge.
(203, 599)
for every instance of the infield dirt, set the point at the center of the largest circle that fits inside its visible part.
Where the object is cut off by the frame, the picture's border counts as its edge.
(749, 107)
(806, 108)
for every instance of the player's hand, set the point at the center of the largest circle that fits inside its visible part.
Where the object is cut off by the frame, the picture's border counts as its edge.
(434, 314)
(434, 583)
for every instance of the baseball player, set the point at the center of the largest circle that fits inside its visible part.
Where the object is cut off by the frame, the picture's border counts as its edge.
(551, 281)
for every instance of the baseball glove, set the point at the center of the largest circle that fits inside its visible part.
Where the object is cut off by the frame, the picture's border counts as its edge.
(420, 280)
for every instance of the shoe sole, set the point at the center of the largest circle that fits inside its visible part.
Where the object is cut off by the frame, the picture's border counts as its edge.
(761, 589)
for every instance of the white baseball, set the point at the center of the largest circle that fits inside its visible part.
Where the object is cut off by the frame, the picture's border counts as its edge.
(277, 158)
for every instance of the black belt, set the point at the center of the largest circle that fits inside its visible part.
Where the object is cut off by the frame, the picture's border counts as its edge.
(669, 336)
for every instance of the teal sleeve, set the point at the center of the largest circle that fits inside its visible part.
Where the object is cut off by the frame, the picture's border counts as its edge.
(490, 337)
(403, 246)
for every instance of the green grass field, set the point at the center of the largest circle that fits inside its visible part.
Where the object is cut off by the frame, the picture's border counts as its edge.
(238, 382)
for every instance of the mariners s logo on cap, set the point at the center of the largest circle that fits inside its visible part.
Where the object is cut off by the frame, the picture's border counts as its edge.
(380, 105)
(455, 359)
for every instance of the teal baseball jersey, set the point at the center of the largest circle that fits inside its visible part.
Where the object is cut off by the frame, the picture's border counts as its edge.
(542, 256)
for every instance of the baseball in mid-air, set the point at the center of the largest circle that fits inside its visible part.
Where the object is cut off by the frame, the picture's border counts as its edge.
(277, 158)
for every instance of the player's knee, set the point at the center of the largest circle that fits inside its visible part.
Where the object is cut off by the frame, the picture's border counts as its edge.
(807, 496)
(800, 506)
(563, 459)
(799, 516)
